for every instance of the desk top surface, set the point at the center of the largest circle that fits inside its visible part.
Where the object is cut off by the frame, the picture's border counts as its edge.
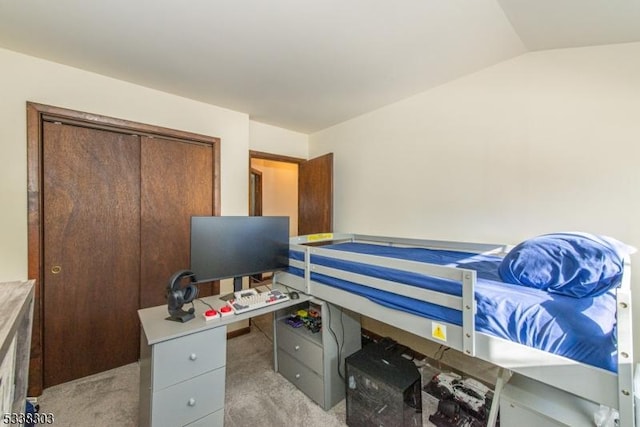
(158, 329)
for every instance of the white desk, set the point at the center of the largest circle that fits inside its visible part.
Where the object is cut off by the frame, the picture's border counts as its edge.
(182, 365)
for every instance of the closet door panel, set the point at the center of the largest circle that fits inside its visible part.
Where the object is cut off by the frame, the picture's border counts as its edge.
(91, 224)
(176, 183)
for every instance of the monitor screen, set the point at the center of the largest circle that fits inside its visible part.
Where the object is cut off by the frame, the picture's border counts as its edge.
(235, 246)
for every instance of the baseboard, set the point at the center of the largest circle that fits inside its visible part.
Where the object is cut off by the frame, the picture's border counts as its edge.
(238, 332)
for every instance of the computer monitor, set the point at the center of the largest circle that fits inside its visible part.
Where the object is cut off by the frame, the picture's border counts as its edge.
(225, 247)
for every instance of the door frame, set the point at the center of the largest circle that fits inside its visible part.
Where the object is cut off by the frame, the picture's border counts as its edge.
(36, 115)
(273, 157)
(255, 192)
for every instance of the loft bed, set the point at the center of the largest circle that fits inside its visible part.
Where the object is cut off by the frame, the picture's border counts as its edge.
(563, 322)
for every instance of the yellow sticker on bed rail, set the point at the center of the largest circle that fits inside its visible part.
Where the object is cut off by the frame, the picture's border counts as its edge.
(439, 331)
(319, 236)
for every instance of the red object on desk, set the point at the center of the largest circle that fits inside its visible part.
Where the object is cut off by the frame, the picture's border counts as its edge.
(211, 314)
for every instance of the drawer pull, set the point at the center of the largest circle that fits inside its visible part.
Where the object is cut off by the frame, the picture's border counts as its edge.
(191, 402)
(193, 356)
(297, 376)
(296, 348)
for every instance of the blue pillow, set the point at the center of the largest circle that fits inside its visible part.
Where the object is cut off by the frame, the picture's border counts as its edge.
(572, 264)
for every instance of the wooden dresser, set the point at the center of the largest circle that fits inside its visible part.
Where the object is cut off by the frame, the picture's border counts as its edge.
(16, 318)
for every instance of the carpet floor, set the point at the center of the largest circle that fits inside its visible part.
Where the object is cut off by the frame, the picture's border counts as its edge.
(255, 394)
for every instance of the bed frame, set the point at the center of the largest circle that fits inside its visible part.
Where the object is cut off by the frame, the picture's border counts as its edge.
(593, 384)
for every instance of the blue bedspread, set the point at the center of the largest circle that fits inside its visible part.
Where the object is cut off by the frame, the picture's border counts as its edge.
(580, 329)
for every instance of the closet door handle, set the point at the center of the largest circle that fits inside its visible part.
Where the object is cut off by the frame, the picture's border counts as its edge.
(56, 269)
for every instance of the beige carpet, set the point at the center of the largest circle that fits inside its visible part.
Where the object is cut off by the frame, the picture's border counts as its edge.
(255, 394)
(106, 399)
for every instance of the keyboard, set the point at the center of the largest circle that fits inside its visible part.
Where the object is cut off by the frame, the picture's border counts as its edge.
(251, 299)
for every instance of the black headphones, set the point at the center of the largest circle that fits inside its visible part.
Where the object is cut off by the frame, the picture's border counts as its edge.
(177, 295)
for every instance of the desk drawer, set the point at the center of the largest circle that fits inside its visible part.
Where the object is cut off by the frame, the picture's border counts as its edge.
(212, 420)
(305, 379)
(293, 342)
(189, 400)
(185, 357)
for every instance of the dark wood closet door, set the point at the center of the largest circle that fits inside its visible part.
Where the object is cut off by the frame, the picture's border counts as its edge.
(177, 182)
(91, 227)
(315, 195)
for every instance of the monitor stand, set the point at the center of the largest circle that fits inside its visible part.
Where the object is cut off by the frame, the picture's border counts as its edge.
(237, 287)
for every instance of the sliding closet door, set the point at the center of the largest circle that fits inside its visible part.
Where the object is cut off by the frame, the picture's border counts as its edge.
(108, 212)
(176, 183)
(91, 245)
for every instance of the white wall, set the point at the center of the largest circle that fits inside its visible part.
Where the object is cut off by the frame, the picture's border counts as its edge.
(545, 142)
(274, 140)
(24, 78)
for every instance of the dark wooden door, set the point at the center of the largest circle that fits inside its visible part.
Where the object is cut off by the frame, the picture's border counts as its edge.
(176, 183)
(255, 192)
(315, 195)
(91, 223)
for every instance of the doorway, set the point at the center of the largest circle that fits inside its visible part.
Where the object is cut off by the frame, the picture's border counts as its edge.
(298, 188)
(274, 190)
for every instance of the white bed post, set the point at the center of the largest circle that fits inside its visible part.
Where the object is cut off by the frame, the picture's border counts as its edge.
(503, 377)
(625, 350)
(307, 269)
(469, 312)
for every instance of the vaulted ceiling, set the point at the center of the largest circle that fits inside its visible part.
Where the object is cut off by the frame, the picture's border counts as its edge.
(303, 64)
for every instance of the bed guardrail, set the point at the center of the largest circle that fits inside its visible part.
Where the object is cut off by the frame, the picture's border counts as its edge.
(465, 304)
